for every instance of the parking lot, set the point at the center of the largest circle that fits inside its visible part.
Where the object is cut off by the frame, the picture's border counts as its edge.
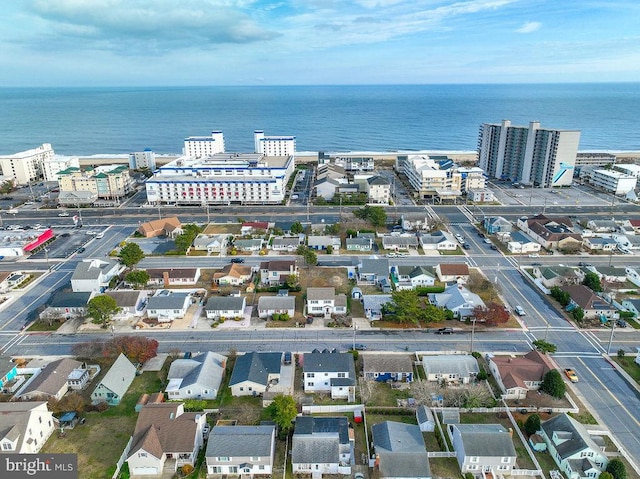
(574, 196)
(68, 241)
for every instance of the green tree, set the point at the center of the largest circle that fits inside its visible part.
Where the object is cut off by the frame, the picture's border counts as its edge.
(137, 278)
(102, 308)
(291, 281)
(130, 254)
(185, 240)
(332, 229)
(617, 469)
(605, 475)
(283, 411)
(376, 215)
(310, 256)
(297, 228)
(532, 424)
(544, 347)
(553, 385)
(432, 314)
(329, 249)
(592, 280)
(578, 314)
(621, 353)
(561, 296)
(404, 306)
(7, 187)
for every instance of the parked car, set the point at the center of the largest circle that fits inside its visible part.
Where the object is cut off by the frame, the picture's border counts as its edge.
(621, 323)
(481, 235)
(361, 347)
(237, 260)
(466, 246)
(287, 357)
(494, 247)
(444, 331)
(519, 311)
(571, 374)
(64, 213)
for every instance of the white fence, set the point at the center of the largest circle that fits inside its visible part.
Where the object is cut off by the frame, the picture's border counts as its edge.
(526, 472)
(331, 408)
(123, 458)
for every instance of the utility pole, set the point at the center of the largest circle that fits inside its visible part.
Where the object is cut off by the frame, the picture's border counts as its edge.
(473, 331)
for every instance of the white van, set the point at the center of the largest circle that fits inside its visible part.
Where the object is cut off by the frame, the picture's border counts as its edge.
(519, 311)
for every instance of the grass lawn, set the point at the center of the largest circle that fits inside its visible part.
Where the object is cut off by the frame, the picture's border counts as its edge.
(631, 368)
(444, 467)
(43, 326)
(100, 441)
(383, 396)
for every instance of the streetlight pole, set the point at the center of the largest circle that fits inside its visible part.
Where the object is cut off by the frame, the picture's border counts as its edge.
(354, 334)
(473, 331)
(46, 255)
(613, 327)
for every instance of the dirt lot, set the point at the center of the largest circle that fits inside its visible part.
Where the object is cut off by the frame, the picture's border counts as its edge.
(325, 277)
(227, 228)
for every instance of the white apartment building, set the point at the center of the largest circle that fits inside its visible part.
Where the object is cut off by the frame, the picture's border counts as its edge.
(428, 179)
(472, 178)
(612, 181)
(204, 146)
(628, 169)
(26, 166)
(530, 155)
(52, 166)
(224, 178)
(274, 145)
(142, 159)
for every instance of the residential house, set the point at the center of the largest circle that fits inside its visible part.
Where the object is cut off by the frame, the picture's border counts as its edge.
(227, 307)
(438, 241)
(599, 243)
(197, 377)
(481, 195)
(254, 227)
(373, 304)
(483, 448)
(450, 368)
(330, 372)
(378, 190)
(132, 303)
(248, 245)
(241, 450)
(551, 276)
(211, 243)
(322, 445)
(426, 419)
(166, 305)
(115, 383)
(359, 244)
(452, 272)
(633, 305)
(286, 243)
(520, 243)
(165, 438)
(24, 427)
(387, 367)
(497, 224)
(517, 375)
(593, 305)
(167, 277)
(8, 371)
(233, 274)
(399, 242)
(325, 302)
(550, 232)
(457, 299)
(602, 226)
(50, 382)
(400, 451)
(64, 304)
(577, 454)
(270, 305)
(323, 242)
(163, 227)
(79, 378)
(373, 270)
(412, 277)
(94, 275)
(610, 274)
(254, 372)
(276, 273)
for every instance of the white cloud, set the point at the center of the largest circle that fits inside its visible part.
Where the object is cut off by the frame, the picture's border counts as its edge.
(529, 27)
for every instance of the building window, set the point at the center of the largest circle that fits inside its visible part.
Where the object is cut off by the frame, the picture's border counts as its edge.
(7, 446)
(505, 460)
(474, 459)
(224, 459)
(310, 384)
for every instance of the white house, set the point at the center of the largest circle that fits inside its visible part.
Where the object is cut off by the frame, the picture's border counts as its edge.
(322, 445)
(25, 426)
(483, 448)
(197, 377)
(520, 243)
(325, 302)
(168, 305)
(254, 372)
(270, 305)
(241, 450)
(225, 307)
(94, 275)
(451, 368)
(411, 277)
(330, 372)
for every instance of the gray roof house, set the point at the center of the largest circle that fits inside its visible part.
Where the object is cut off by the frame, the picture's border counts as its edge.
(94, 275)
(225, 307)
(483, 448)
(457, 299)
(248, 244)
(322, 242)
(402, 242)
(253, 372)
(67, 305)
(168, 305)
(322, 445)
(51, 382)
(572, 448)
(359, 244)
(400, 451)
(438, 240)
(286, 243)
(270, 305)
(330, 372)
(24, 427)
(198, 377)
(373, 303)
(456, 368)
(241, 450)
(411, 277)
(325, 302)
(115, 383)
(387, 367)
(130, 302)
(373, 270)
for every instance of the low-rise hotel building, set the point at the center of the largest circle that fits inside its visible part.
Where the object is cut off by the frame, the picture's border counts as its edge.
(223, 178)
(52, 166)
(104, 182)
(428, 178)
(204, 146)
(612, 181)
(274, 145)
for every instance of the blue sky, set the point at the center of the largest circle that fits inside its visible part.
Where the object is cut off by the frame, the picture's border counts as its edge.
(302, 42)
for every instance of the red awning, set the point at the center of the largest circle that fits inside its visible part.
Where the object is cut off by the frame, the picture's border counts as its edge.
(42, 239)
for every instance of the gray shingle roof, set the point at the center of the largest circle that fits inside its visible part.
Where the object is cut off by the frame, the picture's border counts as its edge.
(318, 439)
(69, 300)
(168, 301)
(329, 362)
(461, 364)
(577, 436)
(424, 414)
(255, 367)
(377, 266)
(240, 441)
(387, 363)
(224, 303)
(401, 450)
(92, 269)
(52, 378)
(276, 302)
(205, 369)
(486, 440)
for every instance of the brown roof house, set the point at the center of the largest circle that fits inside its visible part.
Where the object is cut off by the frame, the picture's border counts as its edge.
(163, 227)
(165, 438)
(452, 272)
(593, 305)
(233, 274)
(173, 276)
(550, 232)
(52, 381)
(276, 272)
(517, 375)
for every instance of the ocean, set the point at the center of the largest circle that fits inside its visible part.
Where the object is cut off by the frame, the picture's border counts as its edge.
(91, 121)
